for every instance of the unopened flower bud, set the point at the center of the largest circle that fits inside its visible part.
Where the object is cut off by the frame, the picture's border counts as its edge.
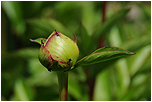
(58, 52)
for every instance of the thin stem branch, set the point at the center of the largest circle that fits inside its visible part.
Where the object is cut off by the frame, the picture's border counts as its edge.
(63, 85)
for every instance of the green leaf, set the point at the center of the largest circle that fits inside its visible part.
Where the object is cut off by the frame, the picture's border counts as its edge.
(136, 43)
(110, 22)
(38, 40)
(102, 87)
(140, 59)
(24, 54)
(40, 76)
(49, 25)
(103, 54)
(85, 40)
(90, 16)
(95, 69)
(136, 88)
(77, 91)
(22, 91)
(15, 14)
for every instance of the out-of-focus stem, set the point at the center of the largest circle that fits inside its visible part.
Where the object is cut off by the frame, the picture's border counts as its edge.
(104, 11)
(102, 38)
(63, 85)
(91, 84)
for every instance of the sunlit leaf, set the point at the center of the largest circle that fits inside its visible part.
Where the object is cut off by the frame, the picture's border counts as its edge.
(123, 77)
(102, 87)
(140, 59)
(23, 91)
(90, 17)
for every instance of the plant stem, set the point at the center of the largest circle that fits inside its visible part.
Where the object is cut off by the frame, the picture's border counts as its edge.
(91, 88)
(63, 85)
(104, 8)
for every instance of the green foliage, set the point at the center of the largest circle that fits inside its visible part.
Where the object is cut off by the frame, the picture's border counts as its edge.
(127, 26)
(110, 22)
(102, 55)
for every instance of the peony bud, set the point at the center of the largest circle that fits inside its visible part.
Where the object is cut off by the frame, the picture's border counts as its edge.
(58, 52)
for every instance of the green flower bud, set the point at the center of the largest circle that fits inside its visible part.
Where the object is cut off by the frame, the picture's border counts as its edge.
(58, 52)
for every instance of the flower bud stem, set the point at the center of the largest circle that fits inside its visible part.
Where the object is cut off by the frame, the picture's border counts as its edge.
(63, 85)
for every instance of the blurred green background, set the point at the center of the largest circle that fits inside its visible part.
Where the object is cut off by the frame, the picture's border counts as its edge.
(96, 24)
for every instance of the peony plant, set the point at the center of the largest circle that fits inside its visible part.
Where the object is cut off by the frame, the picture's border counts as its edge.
(59, 53)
